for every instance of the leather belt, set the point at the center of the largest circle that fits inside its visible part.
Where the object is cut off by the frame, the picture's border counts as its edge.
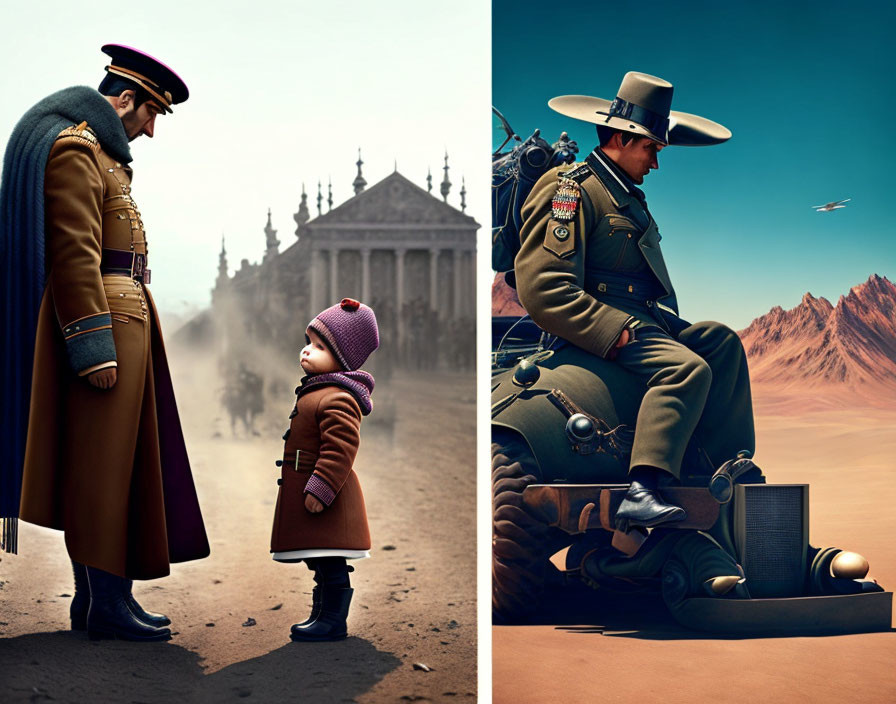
(120, 261)
(289, 458)
(611, 283)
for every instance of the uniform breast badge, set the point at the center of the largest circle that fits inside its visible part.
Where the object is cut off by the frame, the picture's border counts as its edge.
(566, 200)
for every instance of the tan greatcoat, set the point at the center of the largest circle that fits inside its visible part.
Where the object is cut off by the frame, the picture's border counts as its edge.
(325, 433)
(108, 467)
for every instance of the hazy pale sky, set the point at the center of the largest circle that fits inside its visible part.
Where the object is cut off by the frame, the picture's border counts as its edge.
(805, 87)
(281, 93)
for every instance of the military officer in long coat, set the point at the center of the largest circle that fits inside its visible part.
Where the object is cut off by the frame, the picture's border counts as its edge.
(590, 270)
(104, 458)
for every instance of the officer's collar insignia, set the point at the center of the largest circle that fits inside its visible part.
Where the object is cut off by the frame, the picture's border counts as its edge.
(566, 200)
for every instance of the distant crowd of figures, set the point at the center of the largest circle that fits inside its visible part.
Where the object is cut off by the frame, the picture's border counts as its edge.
(426, 341)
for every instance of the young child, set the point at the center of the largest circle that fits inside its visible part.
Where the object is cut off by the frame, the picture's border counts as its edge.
(320, 516)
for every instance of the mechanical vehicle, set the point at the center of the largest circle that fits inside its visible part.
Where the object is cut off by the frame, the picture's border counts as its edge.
(562, 426)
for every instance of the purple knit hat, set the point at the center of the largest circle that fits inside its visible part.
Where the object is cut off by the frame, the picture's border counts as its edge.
(350, 330)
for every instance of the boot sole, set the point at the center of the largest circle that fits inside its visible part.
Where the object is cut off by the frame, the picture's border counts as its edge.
(300, 639)
(624, 525)
(114, 635)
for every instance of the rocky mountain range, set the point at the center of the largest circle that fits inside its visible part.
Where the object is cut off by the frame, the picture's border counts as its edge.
(851, 344)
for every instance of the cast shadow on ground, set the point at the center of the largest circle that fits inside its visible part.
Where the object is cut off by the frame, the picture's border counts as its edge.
(307, 672)
(67, 667)
(581, 611)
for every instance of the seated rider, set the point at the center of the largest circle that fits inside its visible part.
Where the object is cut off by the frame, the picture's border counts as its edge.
(590, 270)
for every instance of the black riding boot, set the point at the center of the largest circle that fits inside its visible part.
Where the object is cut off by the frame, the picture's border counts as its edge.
(109, 615)
(150, 617)
(642, 505)
(335, 596)
(81, 600)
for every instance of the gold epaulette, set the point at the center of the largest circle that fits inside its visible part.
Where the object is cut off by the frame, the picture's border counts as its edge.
(81, 132)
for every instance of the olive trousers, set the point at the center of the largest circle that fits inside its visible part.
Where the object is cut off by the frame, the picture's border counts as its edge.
(697, 384)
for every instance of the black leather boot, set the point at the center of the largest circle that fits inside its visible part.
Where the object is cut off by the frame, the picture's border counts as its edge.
(81, 600)
(149, 617)
(330, 623)
(319, 579)
(644, 507)
(315, 608)
(328, 572)
(109, 615)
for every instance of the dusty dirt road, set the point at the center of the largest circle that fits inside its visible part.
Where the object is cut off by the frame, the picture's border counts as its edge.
(639, 654)
(414, 599)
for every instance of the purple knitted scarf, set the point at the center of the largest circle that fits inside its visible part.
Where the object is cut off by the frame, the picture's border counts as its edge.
(358, 383)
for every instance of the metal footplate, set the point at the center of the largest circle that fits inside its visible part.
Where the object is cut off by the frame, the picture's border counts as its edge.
(578, 508)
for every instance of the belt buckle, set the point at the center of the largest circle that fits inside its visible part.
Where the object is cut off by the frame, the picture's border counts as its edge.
(133, 263)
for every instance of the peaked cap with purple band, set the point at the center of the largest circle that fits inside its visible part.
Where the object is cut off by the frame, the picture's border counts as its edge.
(157, 79)
(350, 330)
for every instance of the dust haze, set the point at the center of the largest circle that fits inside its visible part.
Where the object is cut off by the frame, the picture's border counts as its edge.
(414, 599)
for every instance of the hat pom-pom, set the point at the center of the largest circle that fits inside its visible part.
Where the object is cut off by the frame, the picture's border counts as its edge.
(349, 304)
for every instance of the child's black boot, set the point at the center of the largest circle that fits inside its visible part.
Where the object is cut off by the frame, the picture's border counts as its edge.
(334, 592)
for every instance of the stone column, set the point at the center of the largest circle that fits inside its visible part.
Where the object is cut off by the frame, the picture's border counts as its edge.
(365, 275)
(317, 266)
(399, 302)
(334, 277)
(434, 279)
(458, 258)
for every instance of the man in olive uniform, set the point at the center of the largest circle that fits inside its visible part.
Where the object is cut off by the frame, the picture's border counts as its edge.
(91, 429)
(590, 270)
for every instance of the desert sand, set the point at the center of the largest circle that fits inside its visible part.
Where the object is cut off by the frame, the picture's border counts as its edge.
(414, 599)
(577, 652)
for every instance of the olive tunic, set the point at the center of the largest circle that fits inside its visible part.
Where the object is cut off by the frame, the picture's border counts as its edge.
(589, 277)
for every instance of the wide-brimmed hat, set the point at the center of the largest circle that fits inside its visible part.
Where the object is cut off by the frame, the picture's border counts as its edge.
(642, 106)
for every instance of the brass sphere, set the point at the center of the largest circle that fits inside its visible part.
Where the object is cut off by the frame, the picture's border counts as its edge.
(849, 565)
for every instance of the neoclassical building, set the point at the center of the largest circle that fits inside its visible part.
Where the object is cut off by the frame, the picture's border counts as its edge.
(394, 245)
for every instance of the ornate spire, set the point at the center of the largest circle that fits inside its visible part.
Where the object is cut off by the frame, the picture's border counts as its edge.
(446, 184)
(270, 236)
(395, 166)
(463, 194)
(330, 195)
(359, 183)
(222, 265)
(303, 215)
(320, 200)
(428, 180)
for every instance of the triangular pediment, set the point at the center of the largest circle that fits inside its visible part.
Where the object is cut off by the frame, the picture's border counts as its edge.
(394, 200)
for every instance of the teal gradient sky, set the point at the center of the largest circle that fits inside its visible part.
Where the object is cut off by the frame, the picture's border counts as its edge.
(806, 89)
